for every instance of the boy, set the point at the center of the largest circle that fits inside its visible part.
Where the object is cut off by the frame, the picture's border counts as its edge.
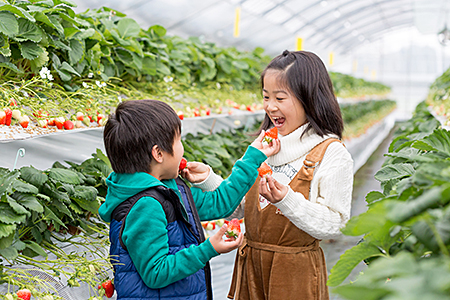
(157, 243)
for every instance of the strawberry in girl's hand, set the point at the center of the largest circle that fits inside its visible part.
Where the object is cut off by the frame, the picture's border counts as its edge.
(24, 294)
(234, 228)
(264, 169)
(183, 164)
(271, 134)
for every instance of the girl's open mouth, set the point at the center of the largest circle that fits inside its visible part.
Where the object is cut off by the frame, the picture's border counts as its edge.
(278, 121)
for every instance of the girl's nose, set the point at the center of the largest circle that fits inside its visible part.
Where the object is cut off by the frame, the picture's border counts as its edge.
(271, 106)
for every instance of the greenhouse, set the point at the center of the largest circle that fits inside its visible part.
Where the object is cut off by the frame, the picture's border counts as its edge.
(331, 115)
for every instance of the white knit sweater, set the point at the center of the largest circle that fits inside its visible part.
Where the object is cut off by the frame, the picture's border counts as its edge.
(328, 209)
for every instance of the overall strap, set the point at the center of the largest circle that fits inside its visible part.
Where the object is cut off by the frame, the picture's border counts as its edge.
(302, 181)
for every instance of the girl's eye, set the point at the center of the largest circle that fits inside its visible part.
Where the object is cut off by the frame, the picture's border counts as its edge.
(279, 99)
(266, 97)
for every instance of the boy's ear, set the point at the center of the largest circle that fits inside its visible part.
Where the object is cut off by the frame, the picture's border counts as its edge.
(157, 154)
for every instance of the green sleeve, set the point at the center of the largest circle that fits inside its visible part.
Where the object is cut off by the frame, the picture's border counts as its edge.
(222, 202)
(145, 236)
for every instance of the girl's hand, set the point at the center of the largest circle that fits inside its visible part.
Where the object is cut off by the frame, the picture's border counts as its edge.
(225, 246)
(275, 192)
(195, 172)
(267, 149)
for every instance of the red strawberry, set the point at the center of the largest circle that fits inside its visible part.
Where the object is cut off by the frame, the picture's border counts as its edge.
(80, 116)
(24, 121)
(183, 164)
(13, 102)
(8, 113)
(68, 125)
(180, 115)
(109, 288)
(99, 117)
(59, 122)
(271, 134)
(42, 123)
(234, 228)
(51, 122)
(24, 294)
(264, 169)
(2, 117)
(208, 111)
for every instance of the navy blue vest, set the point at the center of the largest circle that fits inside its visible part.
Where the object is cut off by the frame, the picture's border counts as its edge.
(181, 233)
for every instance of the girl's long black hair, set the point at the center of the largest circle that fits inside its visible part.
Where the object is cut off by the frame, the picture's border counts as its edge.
(307, 78)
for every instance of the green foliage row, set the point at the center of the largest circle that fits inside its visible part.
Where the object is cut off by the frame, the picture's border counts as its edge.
(354, 111)
(440, 88)
(406, 228)
(105, 43)
(347, 86)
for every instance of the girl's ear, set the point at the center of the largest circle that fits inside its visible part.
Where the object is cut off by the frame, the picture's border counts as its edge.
(157, 154)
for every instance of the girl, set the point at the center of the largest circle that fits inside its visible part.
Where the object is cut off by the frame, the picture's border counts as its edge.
(307, 198)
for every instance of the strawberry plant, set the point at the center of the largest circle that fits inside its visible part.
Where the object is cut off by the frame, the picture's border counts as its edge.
(406, 227)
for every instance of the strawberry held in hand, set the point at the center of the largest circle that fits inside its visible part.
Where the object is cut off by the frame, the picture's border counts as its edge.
(271, 134)
(264, 170)
(183, 164)
(234, 228)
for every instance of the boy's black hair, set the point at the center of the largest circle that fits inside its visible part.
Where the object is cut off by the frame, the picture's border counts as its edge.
(131, 132)
(307, 78)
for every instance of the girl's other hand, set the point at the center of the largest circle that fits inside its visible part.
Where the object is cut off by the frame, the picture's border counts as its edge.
(275, 191)
(195, 172)
(225, 246)
(267, 149)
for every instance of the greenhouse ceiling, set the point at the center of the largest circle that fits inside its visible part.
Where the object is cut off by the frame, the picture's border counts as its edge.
(275, 25)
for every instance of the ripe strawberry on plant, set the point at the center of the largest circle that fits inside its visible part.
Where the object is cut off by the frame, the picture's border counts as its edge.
(80, 116)
(180, 115)
(8, 113)
(108, 286)
(42, 123)
(24, 294)
(59, 122)
(2, 117)
(68, 125)
(234, 228)
(264, 169)
(270, 135)
(183, 164)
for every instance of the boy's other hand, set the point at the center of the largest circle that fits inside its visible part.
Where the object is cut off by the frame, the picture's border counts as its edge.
(225, 246)
(268, 149)
(272, 190)
(195, 172)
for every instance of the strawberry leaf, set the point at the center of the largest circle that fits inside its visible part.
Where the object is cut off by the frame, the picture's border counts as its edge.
(23, 187)
(33, 176)
(9, 216)
(29, 201)
(64, 175)
(7, 229)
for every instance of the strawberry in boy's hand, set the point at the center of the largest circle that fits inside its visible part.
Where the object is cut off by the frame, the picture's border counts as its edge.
(270, 135)
(233, 229)
(264, 169)
(183, 164)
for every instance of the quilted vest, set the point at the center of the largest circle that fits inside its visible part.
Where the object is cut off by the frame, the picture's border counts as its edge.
(181, 234)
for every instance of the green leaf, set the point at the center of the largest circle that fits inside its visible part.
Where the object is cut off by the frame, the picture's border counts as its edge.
(439, 140)
(396, 171)
(51, 21)
(66, 67)
(124, 56)
(18, 11)
(33, 176)
(128, 28)
(373, 218)
(23, 187)
(373, 196)
(28, 31)
(6, 180)
(76, 51)
(158, 30)
(64, 175)
(62, 208)
(9, 253)
(8, 24)
(86, 197)
(212, 161)
(49, 215)
(349, 260)
(240, 64)
(36, 248)
(9, 216)
(29, 201)
(30, 50)
(86, 33)
(7, 229)
(40, 61)
(17, 207)
(100, 155)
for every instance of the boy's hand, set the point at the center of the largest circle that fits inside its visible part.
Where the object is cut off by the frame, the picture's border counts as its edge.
(195, 172)
(276, 191)
(268, 149)
(225, 246)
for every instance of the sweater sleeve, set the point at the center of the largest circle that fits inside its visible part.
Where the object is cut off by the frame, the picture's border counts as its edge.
(324, 216)
(222, 202)
(145, 236)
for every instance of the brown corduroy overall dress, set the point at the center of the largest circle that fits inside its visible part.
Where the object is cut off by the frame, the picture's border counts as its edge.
(277, 260)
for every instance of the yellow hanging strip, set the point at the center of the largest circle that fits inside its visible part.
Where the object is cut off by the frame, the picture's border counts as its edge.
(299, 46)
(237, 18)
(331, 58)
